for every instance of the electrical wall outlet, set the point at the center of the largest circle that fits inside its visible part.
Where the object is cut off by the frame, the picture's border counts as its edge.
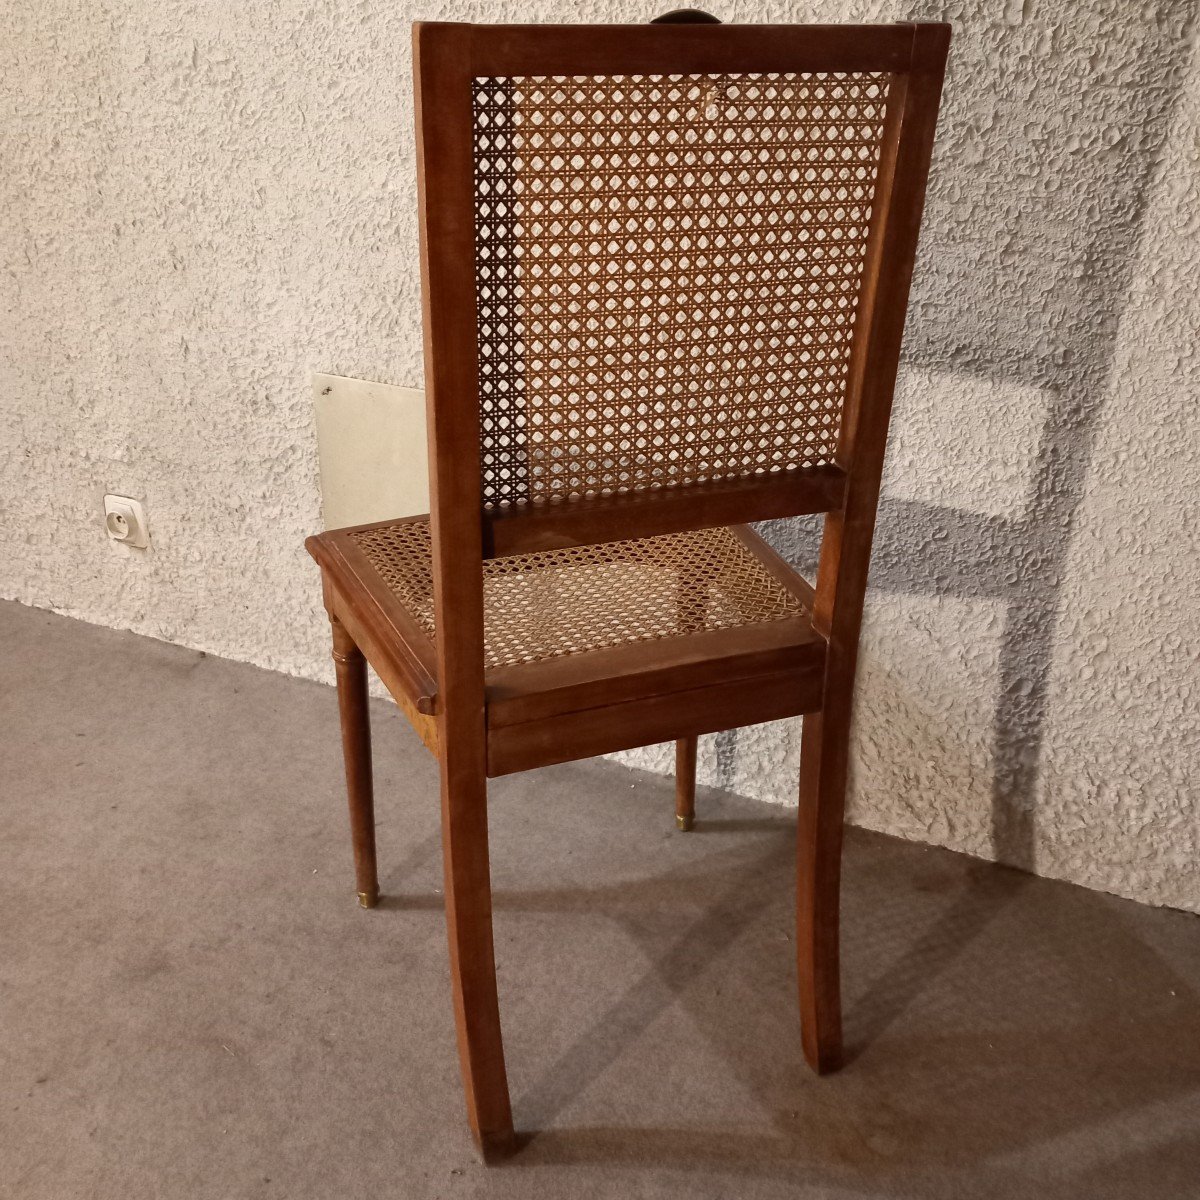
(125, 521)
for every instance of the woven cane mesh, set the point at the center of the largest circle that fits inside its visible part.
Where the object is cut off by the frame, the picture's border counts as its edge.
(668, 271)
(558, 602)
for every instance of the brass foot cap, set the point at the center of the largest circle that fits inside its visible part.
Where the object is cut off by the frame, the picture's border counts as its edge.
(368, 899)
(684, 823)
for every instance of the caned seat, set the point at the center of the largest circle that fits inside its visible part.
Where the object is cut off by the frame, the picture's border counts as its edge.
(553, 603)
(665, 271)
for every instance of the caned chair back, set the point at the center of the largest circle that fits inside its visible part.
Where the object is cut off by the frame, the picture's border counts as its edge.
(669, 270)
(665, 272)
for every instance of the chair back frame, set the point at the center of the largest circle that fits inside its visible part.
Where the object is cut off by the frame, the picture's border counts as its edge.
(447, 58)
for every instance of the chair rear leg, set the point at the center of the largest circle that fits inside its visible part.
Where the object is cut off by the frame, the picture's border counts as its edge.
(685, 782)
(356, 748)
(472, 955)
(823, 760)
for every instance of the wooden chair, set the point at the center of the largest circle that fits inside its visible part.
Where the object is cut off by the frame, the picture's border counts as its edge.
(665, 274)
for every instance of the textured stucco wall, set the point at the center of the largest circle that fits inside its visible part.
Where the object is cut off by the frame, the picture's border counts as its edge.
(204, 203)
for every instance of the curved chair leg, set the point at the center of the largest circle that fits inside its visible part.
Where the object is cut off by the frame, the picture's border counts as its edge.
(472, 955)
(356, 748)
(685, 782)
(823, 760)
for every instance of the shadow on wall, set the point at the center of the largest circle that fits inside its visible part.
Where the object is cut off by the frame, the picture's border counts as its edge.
(1050, 134)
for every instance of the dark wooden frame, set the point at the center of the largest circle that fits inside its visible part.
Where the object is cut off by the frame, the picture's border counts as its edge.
(483, 724)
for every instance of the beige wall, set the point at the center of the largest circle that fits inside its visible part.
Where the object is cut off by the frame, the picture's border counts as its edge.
(206, 203)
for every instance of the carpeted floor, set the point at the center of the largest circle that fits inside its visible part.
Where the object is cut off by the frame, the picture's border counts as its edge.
(192, 1006)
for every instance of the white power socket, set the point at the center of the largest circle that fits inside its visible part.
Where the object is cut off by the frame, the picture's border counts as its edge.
(125, 521)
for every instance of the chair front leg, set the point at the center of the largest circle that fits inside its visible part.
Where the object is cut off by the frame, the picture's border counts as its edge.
(824, 748)
(472, 953)
(685, 782)
(356, 747)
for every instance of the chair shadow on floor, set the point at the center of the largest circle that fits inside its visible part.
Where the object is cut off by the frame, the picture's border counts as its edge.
(987, 1031)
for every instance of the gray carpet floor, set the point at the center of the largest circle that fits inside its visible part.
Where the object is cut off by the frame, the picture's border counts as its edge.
(193, 1006)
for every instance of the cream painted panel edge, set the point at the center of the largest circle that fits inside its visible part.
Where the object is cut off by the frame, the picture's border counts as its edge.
(371, 447)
